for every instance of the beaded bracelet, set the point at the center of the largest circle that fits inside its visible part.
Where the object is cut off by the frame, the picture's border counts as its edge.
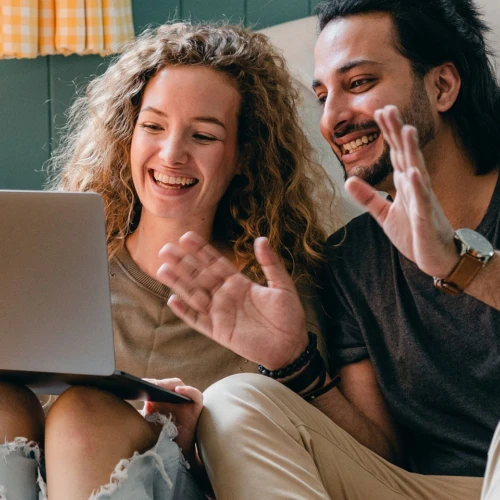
(297, 365)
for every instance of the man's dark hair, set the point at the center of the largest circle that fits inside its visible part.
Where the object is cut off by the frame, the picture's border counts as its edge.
(430, 33)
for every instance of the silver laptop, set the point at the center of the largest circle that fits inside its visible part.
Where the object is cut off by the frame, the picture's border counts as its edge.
(55, 309)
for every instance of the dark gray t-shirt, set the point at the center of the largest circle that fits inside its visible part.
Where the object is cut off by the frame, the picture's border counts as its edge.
(436, 356)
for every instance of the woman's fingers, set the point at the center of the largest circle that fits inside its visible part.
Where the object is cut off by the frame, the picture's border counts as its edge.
(166, 383)
(197, 296)
(188, 277)
(207, 255)
(198, 321)
(175, 385)
(190, 392)
(194, 270)
(275, 272)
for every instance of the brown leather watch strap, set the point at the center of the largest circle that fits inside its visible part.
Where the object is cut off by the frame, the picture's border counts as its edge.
(463, 273)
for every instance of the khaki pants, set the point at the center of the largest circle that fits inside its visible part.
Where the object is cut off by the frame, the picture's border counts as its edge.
(259, 440)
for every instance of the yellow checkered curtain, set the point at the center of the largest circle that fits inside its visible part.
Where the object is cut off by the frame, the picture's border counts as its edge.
(30, 28)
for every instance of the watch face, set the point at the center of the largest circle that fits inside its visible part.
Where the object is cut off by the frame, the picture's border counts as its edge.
(474, 243)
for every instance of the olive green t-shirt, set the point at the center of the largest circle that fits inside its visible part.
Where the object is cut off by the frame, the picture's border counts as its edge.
(152, 342)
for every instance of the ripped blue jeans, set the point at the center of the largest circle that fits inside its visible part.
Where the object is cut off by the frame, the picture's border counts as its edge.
(160, 473)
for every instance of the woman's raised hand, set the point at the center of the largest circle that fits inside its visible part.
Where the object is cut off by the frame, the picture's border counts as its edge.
(265, 325)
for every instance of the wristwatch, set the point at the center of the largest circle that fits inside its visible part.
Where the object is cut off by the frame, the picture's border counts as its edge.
(475, 252)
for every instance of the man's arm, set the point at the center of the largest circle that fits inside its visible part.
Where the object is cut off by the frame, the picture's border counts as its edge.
(359, 408)
(485, 286)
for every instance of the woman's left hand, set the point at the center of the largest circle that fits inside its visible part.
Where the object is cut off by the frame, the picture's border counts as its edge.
(185, 415)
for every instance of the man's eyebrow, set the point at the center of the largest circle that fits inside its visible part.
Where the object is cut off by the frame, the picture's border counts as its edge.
(347, 67)
(204, 119)
(356, 64)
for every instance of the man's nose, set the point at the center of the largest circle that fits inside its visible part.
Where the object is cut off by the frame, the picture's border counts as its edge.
(337, 113)
(173, 151)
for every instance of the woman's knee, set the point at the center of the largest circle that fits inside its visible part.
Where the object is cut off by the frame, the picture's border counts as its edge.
(85, 417)
(21, 413)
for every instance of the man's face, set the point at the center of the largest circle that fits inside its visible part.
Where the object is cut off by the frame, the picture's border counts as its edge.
(357, 71)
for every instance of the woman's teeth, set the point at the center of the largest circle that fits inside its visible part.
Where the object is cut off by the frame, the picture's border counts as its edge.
(173, 182)
(359, 143)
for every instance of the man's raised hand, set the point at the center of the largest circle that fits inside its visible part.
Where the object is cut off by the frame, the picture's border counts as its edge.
(414, 222)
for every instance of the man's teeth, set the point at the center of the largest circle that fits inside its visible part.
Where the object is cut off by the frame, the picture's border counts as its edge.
(361, 142)
(166, 179)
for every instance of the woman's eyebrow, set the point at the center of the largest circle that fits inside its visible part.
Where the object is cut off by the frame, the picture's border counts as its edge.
(154, 110)
(209, 119)
(204, 119)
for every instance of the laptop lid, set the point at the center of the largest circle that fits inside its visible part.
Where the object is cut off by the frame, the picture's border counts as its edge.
(55, 313)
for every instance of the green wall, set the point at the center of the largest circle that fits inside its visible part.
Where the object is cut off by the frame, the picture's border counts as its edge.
(34, 93)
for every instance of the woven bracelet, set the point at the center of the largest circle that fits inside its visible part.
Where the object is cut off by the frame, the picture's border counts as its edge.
(314, 371)
(297, 365)
(315, 393)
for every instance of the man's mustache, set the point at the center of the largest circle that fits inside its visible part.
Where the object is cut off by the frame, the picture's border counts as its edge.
(355, 127)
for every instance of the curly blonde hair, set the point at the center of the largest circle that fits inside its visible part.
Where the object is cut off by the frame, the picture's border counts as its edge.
(272, 196)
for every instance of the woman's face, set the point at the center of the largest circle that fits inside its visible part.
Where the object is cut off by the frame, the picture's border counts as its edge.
(184, 148)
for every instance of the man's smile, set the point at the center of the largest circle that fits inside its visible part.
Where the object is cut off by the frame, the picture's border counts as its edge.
(359, 143)
(350, 144)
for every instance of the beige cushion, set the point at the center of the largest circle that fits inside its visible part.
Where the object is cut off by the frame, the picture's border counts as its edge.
(296, 40)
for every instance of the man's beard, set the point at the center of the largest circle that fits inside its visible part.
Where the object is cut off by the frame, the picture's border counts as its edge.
(417, 113)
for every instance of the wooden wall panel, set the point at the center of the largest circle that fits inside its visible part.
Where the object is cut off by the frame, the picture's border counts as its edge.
(263, 13)
(24, 127)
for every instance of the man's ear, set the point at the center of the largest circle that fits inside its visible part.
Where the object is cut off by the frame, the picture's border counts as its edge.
(444, 84)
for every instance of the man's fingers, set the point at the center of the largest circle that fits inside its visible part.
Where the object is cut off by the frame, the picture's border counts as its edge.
(274, 271)
(422, 196)
(365, 195)
(413, 154)
(395, 124)
(383, 119)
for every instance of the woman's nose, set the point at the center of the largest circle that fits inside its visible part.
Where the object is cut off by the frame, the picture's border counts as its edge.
(173, 151)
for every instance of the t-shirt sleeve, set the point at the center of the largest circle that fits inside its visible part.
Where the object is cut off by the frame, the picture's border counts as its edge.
(344, 338)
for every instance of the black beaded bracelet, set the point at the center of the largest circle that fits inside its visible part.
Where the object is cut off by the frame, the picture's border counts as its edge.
(297, 365)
